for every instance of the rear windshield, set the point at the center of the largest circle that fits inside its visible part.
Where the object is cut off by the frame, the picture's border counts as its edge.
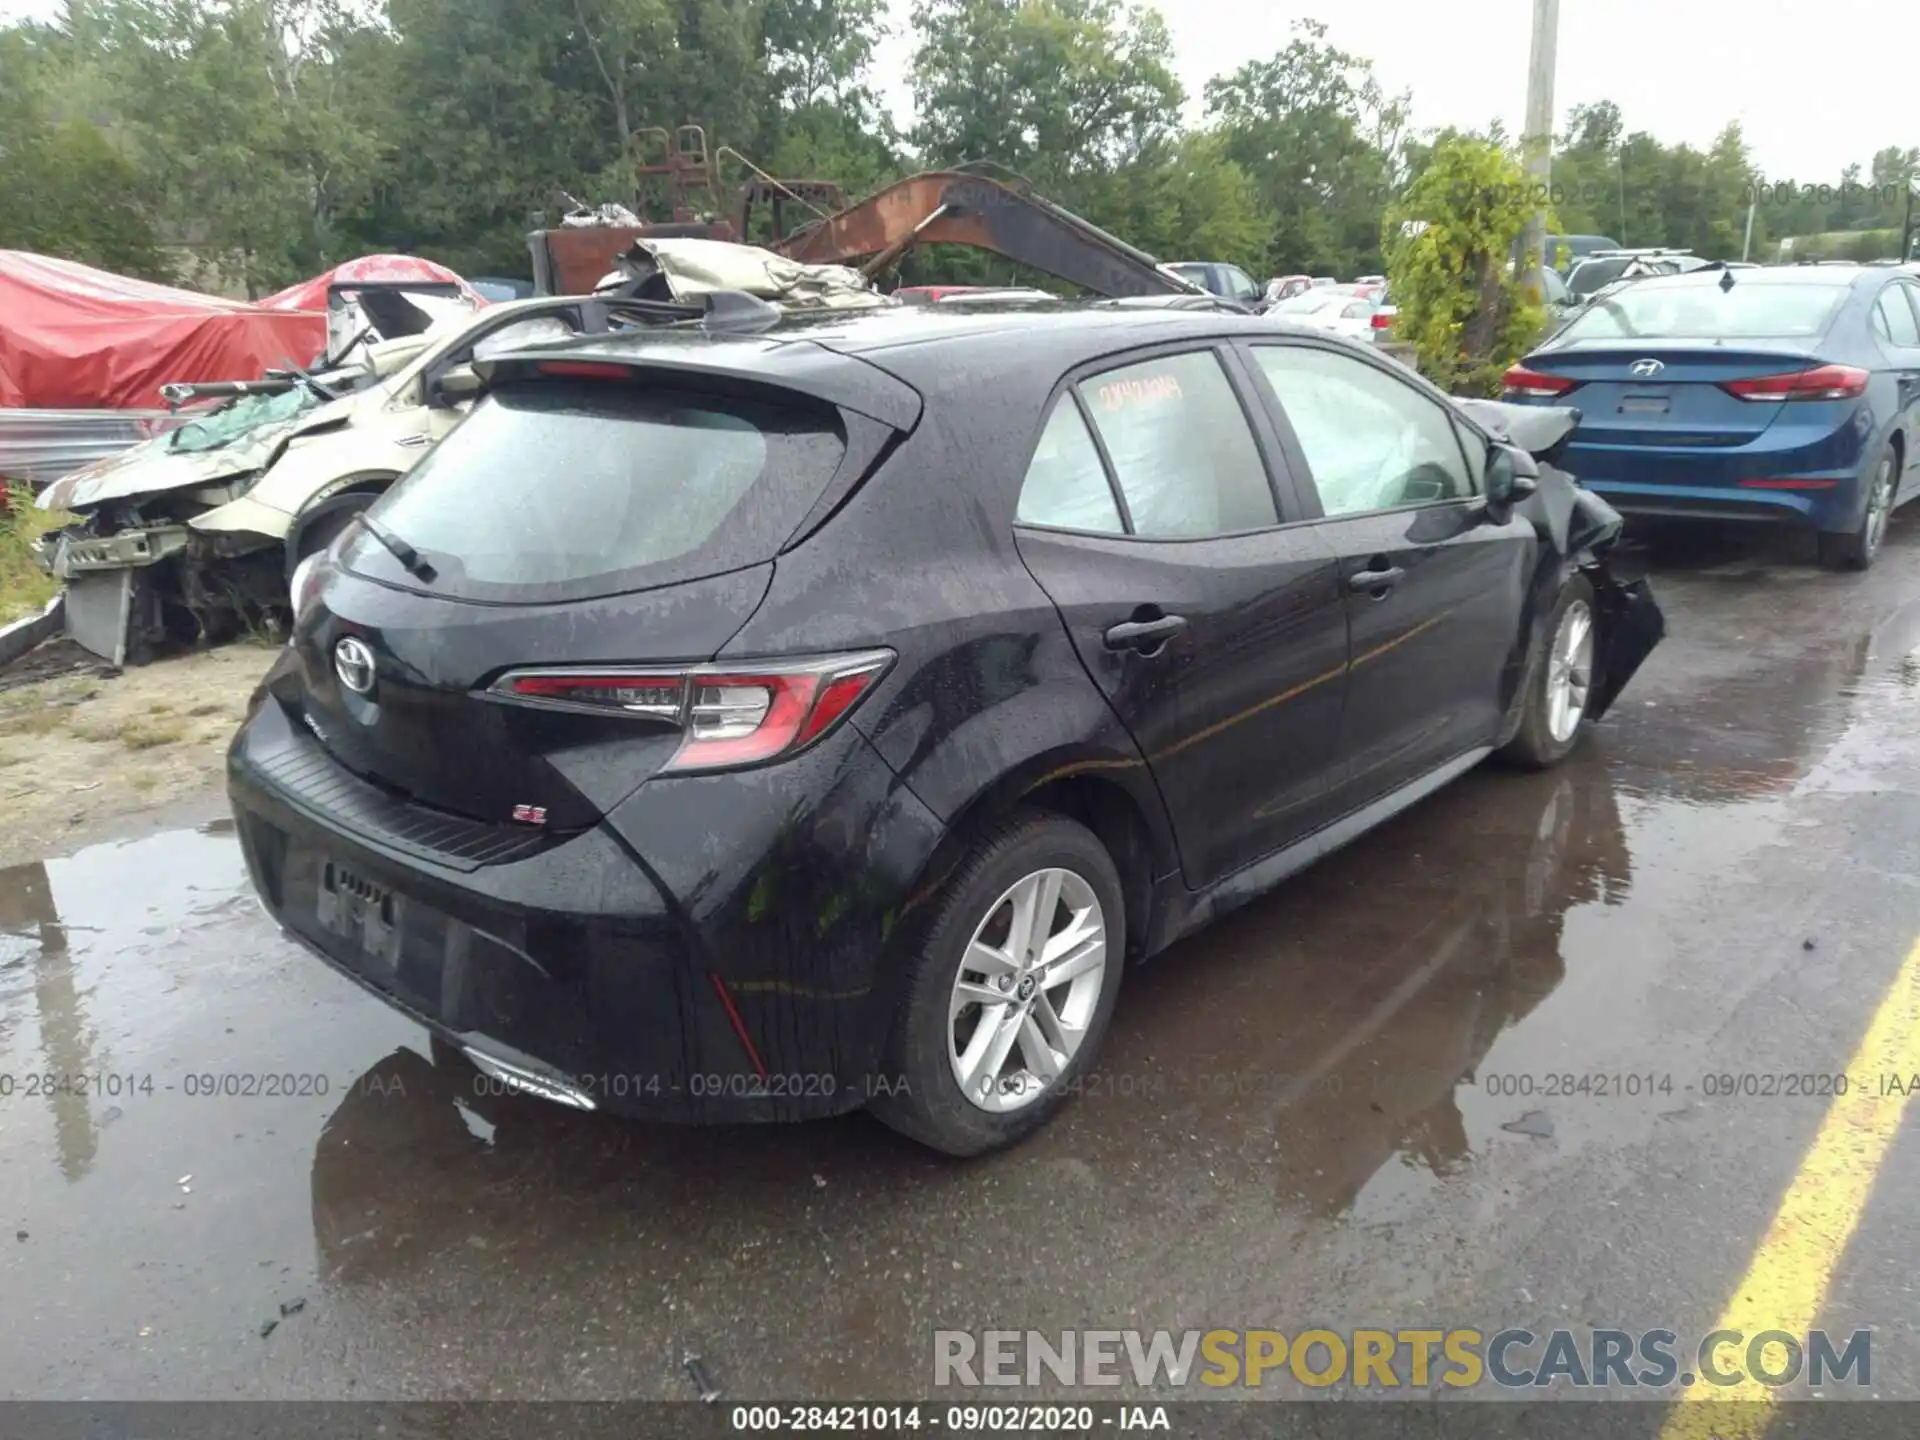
(1706, 312)
(564, 491)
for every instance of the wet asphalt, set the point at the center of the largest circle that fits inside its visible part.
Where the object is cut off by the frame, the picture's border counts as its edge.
(1330, 1109)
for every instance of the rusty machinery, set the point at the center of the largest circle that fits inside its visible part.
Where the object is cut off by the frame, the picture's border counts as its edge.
(963, 206)
(678, 174)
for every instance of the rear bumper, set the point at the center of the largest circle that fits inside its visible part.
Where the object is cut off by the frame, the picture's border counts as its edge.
(1803, 469)
(703, 956)
(1818, 509)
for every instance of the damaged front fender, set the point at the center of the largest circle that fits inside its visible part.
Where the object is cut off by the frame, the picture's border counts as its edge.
(1580, 532)
(1631, 624)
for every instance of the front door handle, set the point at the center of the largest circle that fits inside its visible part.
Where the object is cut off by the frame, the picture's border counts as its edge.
(1145, 634)
(1378, 581)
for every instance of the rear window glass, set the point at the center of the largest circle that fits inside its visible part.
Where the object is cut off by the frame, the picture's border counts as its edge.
(1706, 312)
(561, 491)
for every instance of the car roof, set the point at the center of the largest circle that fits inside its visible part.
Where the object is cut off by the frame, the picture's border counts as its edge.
(1064, 333)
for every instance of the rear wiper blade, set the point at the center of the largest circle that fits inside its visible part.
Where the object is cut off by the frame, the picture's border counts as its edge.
(411, 560)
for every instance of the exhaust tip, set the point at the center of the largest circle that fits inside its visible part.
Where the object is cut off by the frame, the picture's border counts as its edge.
(531, 1082)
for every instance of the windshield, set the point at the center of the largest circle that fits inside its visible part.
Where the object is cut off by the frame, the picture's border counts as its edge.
(1696, 311)
(240, 417)
(1309, 303)
(562, 491)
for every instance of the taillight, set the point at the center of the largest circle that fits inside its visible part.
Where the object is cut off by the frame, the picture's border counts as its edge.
(1382, 320)
(1519, 380)
(584, 370)
(727, 714)
(1823, 382)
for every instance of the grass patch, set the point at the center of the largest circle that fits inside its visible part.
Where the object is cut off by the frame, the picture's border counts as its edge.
(24, 586)
(211, 707)
(144, 781)
(34, 720)
(139, 733)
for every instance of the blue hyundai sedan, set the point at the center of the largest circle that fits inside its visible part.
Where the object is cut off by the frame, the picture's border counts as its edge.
(1788, 394)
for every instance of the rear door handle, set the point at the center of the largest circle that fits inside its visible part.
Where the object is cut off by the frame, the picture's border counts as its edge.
(1145, 634)
(1378, 581)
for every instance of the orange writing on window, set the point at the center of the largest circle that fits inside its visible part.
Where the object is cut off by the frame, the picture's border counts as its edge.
(1119, 394)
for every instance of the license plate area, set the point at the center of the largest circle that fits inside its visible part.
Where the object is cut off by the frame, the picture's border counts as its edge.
(1649, 404)
(353, 907)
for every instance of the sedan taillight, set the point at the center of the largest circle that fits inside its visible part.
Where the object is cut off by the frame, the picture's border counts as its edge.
(1535, 384)
(727, 715)
(1823, 382)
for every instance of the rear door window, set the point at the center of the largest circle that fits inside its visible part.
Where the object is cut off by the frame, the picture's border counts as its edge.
(1893, 318)
(1066, 486)
(1182, 450)
(566, 490)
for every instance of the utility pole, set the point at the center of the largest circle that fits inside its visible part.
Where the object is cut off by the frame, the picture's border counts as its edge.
(1537, 143)
(1746, 245)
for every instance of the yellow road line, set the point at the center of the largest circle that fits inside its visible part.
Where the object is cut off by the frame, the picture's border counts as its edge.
(1786, 1282)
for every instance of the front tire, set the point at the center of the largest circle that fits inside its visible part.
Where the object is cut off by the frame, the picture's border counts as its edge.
(1011, 983)
(1857, 549)
(1559, 682)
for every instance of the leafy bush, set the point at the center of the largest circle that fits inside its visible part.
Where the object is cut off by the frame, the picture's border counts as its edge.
(1448, 243)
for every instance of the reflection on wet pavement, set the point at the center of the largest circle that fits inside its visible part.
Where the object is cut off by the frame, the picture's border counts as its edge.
(1281, 1098)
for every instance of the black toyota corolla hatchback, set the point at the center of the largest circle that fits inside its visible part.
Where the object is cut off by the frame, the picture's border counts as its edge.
(754, 726)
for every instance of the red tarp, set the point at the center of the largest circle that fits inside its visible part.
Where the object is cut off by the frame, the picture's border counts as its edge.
(369, 270)
(72, 337)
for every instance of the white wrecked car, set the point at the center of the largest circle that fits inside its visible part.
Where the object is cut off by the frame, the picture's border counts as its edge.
(193, 537)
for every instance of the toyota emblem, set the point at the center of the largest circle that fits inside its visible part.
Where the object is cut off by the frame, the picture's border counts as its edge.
(353, 663)
(1645, 368)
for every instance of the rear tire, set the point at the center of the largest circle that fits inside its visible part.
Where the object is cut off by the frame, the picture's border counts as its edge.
(1559, 682)
(1856, 549)
(1028, 1050)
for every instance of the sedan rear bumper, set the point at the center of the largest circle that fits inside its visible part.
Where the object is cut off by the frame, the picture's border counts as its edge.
(1768, 505)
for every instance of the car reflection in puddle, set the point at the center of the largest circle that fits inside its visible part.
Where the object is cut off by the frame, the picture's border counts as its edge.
(1303, 1044)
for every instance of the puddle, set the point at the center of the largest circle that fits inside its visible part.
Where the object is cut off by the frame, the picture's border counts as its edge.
(63, 925)
(1282, 1099)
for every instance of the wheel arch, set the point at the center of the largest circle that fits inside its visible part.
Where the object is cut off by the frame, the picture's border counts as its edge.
(1088, 788)
(352, 493)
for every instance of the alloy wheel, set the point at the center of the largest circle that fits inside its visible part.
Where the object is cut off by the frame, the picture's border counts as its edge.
(1570, 671)
(1027, 990)
(1879, 506)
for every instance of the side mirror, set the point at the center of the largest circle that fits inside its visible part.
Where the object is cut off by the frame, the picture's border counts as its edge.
(1506, 486)
(459, 383)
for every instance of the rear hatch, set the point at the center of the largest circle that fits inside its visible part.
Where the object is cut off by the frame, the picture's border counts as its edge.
(1672, 363)
(513, 634)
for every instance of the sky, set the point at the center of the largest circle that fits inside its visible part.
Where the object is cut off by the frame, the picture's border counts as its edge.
(1803, 79)
(1807, 81)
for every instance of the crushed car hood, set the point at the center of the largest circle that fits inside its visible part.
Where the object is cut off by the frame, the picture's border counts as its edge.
(682, 268)
(159, 465)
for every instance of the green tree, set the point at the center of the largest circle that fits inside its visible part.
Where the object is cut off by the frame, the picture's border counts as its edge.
(1448, 244)
(1323, 143)
(1063, 91)
(66, 189)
